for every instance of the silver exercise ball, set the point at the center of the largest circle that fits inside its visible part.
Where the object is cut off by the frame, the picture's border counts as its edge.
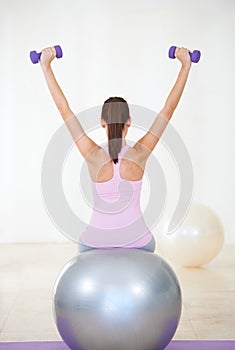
(112, 299)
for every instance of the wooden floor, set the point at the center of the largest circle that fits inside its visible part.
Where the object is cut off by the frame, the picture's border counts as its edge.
(28, 273)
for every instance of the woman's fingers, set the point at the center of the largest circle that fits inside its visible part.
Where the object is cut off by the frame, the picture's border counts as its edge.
(182, 54)
(48, 54)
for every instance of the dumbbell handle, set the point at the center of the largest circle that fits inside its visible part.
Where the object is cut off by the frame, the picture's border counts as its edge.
(195, 55)
(35, 56)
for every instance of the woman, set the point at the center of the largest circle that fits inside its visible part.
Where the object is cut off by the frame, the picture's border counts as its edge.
(116, 170)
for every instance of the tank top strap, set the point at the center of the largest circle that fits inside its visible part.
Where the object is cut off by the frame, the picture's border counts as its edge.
(116, 167)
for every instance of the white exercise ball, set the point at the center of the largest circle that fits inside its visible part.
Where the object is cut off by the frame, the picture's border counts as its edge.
(197, 240)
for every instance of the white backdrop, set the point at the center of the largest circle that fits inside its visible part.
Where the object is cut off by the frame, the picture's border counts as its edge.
(114, 48)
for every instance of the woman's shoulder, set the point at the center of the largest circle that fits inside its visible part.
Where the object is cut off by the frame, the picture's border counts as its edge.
(100, 155)
(127, 152)
(101, 168)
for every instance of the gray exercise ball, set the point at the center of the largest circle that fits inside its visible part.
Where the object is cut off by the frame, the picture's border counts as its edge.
(112, 299)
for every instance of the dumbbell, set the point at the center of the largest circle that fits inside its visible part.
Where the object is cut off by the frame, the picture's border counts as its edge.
(195, 55)
(35, 56)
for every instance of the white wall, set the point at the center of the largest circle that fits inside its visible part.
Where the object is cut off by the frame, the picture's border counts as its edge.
(114, 48)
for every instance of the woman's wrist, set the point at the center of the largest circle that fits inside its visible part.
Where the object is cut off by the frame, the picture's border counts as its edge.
(46, 66)
(186, 66)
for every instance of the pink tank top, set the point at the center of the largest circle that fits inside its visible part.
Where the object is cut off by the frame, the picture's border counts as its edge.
(116, 219)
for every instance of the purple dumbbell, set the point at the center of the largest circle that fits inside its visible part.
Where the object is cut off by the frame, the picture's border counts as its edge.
(195, 55)
(35, 56)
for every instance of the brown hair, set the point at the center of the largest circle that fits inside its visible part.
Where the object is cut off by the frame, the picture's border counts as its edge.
(115, 112)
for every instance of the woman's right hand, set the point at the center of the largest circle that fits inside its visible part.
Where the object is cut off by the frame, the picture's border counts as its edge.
(47, 55)
(182, 54)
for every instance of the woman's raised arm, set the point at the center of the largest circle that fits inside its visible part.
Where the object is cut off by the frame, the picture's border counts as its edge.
(84, 143)
(147, 143)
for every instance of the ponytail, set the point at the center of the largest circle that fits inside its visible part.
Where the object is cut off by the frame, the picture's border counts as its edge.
(115, 112)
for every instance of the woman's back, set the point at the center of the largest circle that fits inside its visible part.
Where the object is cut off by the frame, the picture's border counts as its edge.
(116, 218)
